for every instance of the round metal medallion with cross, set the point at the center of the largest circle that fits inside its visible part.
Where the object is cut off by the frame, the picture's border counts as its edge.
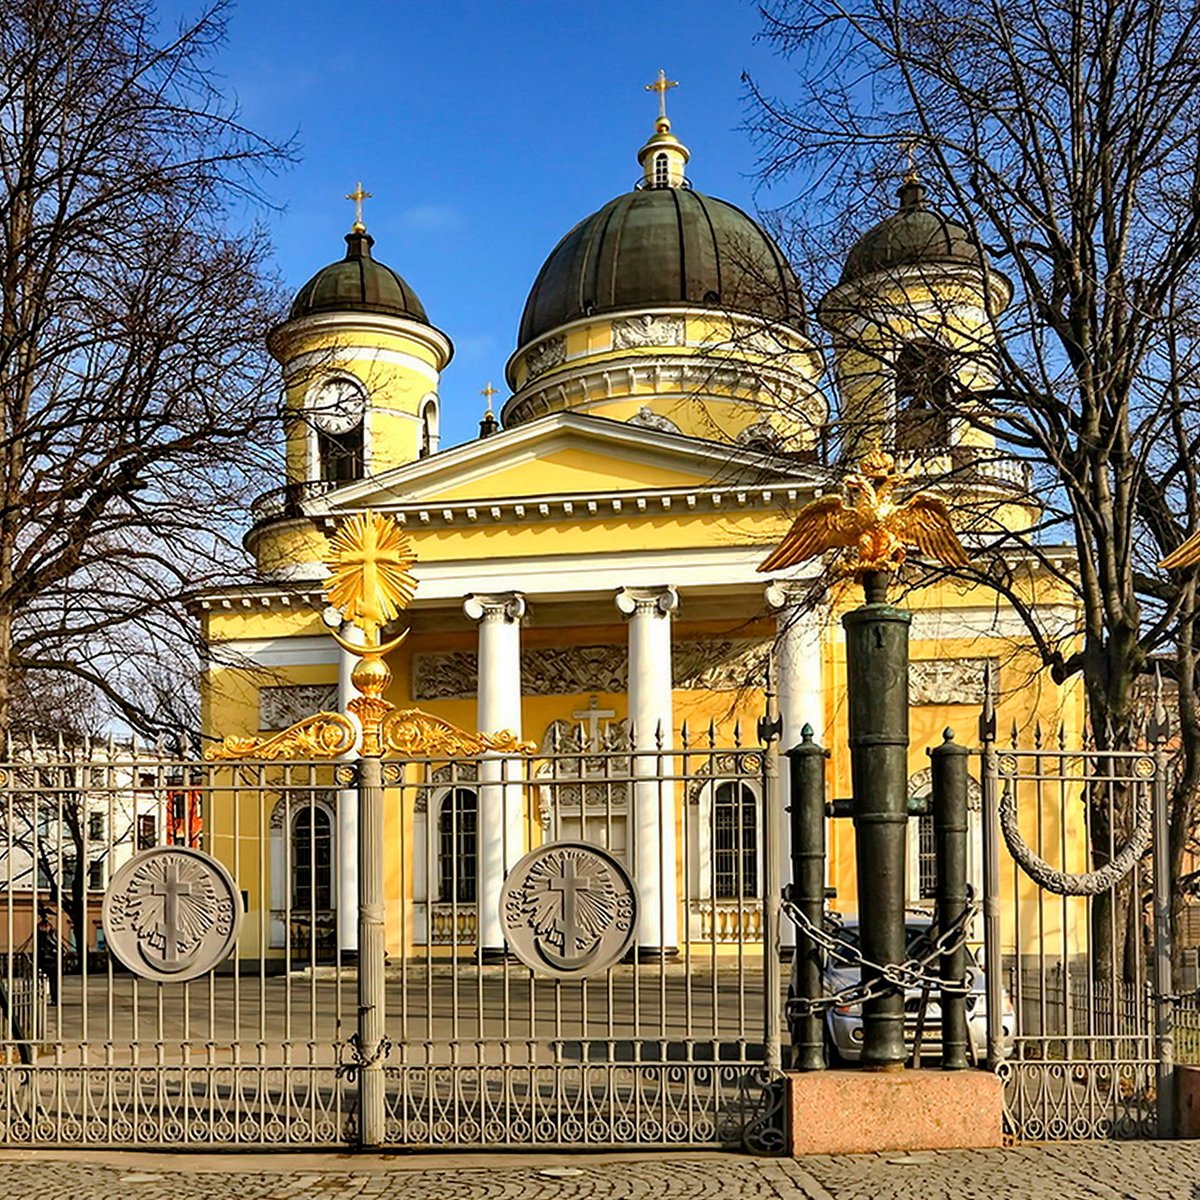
(569, 909)
(171, 914)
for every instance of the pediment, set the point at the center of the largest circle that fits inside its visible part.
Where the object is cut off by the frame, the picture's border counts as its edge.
(567, 454)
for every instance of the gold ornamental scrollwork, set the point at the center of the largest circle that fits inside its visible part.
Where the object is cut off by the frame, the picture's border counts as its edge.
(411, 732)
(371, 582)
(323, 735)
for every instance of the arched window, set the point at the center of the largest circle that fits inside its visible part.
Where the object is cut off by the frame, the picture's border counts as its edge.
(457, 846)
(429, 427)
(312, 860)
(734, 841)
(923, 387)
(337, 404)
(662, 171)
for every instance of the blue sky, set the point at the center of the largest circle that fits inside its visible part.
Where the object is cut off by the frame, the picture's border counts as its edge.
(484, 130)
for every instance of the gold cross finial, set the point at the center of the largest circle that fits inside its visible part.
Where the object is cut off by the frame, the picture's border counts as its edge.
(909, 146)
(487, 393)
(358, 196)
(662, 85)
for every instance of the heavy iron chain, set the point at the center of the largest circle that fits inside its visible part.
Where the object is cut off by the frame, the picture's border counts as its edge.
(348, 1069)
(1085, 883)
(913, 973)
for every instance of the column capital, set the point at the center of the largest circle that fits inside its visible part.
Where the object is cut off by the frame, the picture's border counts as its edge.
(658, 601)
(506, 607)
(787, 593)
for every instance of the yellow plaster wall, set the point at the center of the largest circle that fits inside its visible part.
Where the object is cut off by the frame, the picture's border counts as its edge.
(743, 368)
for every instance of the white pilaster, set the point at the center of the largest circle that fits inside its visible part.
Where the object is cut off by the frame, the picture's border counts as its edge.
(347, 812)
(797, 669)
(501, 840)
(651, 715)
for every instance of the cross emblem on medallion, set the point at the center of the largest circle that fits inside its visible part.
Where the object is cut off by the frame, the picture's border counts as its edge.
(170, 888)
(570, 886)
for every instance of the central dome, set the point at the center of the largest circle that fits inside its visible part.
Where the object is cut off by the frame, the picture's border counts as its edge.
(663, 246)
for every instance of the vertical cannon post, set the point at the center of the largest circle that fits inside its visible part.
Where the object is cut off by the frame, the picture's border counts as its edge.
(949, 770)
(877, 678)
(807, 811)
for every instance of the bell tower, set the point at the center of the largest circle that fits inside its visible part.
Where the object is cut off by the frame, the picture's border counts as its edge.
(361, 367)
(912, 324)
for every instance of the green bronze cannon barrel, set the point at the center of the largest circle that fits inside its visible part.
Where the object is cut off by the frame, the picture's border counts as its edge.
(877, 683)
(949, 770)
(807, 811)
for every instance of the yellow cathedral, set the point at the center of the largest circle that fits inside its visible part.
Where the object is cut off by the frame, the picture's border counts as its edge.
(587, 566)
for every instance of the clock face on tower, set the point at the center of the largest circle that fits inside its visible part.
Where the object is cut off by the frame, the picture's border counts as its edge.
(336, 404)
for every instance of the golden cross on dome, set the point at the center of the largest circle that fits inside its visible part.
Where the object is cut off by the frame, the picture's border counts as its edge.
(662, 85)
(488, 392)
(358, 196)
(909, 146)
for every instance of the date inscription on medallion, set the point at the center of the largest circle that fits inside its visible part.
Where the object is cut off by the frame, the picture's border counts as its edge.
(171, 914)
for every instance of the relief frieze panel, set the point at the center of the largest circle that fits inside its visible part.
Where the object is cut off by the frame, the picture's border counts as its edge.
(281, 707)
(949, 680)
(647, 330)
(545, 356)
(725, 665)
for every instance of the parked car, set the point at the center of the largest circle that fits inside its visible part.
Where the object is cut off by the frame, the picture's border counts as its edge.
(843, 1024)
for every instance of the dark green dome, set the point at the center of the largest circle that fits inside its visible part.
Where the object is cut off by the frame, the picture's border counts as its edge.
(357, 283)
(915, 234)
(664, 245)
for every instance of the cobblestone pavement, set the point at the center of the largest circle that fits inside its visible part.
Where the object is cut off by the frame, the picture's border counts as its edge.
(1101, 1171)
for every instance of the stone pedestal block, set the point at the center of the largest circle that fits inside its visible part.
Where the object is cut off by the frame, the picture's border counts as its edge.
(861, 1112)
(1187, 1093)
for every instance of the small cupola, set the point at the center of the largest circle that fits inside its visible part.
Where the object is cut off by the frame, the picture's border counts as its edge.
(358, 282)
(664, 157)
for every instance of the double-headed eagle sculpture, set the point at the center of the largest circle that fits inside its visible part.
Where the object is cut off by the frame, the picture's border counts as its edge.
(1186, 554)
(873, 524)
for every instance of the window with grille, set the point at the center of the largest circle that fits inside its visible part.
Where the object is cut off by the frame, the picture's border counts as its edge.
(662, 171)
(734, 841)
(926, 859)
(96, 875)
(312, 860)
(147, 831)
(95, 827)
(457, 846)
(923, 386)
(341, 454)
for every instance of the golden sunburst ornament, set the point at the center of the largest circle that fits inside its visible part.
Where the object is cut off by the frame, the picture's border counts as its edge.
(370, 561)
(371, 581)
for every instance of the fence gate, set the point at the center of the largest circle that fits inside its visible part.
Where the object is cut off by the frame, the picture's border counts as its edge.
(1079, 1019)
(660, 1049)
(674, 1048)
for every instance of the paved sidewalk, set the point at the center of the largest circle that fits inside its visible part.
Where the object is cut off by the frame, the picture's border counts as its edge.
(1099, 1171)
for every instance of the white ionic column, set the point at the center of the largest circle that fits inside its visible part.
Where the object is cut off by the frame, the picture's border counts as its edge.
(500, 835)
(797, 667)
(651, 716)
(347, 812)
